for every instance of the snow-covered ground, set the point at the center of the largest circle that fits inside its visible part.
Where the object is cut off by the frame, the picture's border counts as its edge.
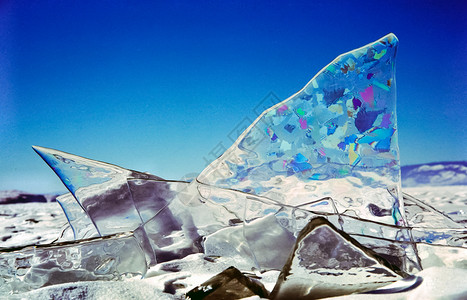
(30, 223)
(41, 223)
(452, 200)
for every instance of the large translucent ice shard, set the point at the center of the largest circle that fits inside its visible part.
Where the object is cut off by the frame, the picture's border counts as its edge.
(335, 138)
(100, 188)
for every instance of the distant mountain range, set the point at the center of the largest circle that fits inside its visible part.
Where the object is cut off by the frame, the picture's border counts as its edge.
(14, 196)
(435, 174)
(431, 174)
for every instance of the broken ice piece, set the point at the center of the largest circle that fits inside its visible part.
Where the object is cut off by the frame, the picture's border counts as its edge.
(327, 262)
(229, 284)
(101, 190)
(248, 243)
(106, 258)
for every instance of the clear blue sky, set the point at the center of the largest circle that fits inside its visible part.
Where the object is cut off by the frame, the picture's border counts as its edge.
(155, 87)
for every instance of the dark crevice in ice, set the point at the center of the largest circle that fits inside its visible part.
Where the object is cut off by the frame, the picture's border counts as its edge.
(229, 284)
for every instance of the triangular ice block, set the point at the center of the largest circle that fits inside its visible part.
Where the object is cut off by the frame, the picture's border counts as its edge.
(336, 138)
(326, 262)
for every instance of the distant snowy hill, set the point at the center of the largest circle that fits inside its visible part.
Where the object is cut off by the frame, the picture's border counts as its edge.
(435, 174)
(14, 196)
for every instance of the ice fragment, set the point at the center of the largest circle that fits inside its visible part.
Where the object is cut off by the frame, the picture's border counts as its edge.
(326, 262)
(229, 284)
(100, 189)
(110, 258)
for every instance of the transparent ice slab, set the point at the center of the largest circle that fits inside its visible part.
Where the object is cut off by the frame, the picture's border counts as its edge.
(110, 258)
(100, 189)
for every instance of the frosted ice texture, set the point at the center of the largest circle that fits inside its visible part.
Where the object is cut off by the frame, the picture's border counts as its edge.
(330, 150)
(335, 138)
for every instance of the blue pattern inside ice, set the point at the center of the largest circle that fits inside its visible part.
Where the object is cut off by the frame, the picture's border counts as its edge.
(339, 130)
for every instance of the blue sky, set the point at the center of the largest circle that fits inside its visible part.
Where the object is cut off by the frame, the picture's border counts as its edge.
(161, 87)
